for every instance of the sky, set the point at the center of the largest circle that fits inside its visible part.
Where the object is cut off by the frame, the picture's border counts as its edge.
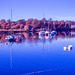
(25, 9)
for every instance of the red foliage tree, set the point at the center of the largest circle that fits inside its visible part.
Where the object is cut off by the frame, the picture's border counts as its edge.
(29, 21)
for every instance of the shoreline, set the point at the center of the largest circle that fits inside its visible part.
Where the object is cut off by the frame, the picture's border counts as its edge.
(36, 30)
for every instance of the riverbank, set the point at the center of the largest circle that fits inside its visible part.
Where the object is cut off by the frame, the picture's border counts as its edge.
(35, 25)
(35, 30)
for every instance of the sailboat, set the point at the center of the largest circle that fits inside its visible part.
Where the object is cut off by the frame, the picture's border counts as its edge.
(10, 38)
(47, 34)
(18, 39)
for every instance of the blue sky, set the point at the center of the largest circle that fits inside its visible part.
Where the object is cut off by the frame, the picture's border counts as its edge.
(25, 9)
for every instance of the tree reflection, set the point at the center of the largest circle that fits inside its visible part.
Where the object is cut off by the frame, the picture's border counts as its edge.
(34, 37)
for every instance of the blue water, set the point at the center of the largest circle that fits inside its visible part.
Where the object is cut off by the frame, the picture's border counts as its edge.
(38, 57)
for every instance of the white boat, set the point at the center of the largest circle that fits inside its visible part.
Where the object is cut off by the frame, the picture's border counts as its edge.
(42, 33)
(69, 47)
(53, 32)
(9, 38)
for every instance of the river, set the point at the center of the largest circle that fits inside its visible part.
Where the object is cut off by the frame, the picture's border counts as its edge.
(38, 56)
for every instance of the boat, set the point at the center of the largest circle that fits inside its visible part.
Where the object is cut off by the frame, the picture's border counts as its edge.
(9, 38)
(42, 33)
(18, 39)
(53, 33)
(47, 34)
(69, 47)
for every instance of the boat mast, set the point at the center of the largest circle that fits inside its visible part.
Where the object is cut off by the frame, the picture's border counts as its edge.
(11, 14)
(43, 15)
(43, 18)
(11, 44)
(11, 24)
(11, 18)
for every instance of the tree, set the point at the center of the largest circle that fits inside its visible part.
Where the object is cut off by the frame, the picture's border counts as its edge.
(21, 26)
(21, 21)
(29, 21)
(50, 24)
(35, 23)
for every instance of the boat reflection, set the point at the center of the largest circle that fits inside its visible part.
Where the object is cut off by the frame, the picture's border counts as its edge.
(34, 37)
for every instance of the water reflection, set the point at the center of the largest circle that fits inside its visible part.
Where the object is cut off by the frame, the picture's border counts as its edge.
(38, 55)
(34, 37)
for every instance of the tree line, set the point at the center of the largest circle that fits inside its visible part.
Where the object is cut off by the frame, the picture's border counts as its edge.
(36, 24)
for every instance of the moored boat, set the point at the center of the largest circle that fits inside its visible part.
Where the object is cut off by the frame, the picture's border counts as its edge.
(9, 38)
(53, 33)
(47, 34)
(42, 33)
(69, 47)
(18, 39)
